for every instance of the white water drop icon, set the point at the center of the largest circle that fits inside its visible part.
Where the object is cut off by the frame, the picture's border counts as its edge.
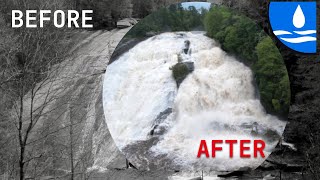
(299, 19)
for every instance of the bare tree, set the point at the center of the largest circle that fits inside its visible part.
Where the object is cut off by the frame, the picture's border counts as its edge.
(80, 154)
(30, 61)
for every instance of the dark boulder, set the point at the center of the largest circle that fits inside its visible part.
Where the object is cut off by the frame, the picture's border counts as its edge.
(181, 70)
(232, 174)
(162, 116)
(125, 23)
(157, 129)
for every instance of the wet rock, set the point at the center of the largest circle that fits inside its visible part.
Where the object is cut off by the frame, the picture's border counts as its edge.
(124, 46)
(157, 129)
(284, 166)
(150, 34)
(153, 130)
(163, 115)
(271, 135)
(125, 23)
(288, 146)
(267, 166)
(258, 130)
(197, 178)
(140, 152)
(186, 49)
(237, 173)
(130, 174)
(232, 174)
(181, 71)
(269, 177)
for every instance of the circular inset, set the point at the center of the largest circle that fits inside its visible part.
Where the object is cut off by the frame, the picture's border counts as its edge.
(216, 76)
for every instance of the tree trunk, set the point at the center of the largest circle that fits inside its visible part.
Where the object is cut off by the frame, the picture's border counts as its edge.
(21, 142)
(76, 5)
(71, 147)
(21, 163)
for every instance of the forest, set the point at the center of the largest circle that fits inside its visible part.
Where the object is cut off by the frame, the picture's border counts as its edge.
(241, 37)
(175, 18)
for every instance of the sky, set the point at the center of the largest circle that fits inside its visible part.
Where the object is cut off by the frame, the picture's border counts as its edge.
(197, 5)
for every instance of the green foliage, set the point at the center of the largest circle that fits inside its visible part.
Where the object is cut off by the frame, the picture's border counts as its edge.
(240, 36)
(175, 18)
(272, 78)
(180, 70)
(237, 34)
(216, 20)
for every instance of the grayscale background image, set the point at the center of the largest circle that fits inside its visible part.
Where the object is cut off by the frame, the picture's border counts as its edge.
(131, 97)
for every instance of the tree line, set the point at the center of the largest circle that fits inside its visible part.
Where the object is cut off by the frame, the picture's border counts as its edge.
(241, 37)
(175, 18)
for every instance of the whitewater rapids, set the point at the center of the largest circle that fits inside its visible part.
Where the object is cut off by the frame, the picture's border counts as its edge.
(217, 100)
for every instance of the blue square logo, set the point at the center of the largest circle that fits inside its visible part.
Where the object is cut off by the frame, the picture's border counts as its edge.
(295, 24)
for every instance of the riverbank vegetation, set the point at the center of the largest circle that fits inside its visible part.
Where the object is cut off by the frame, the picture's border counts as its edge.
(241, 37)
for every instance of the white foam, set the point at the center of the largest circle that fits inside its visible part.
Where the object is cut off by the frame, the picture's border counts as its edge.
(211, 103)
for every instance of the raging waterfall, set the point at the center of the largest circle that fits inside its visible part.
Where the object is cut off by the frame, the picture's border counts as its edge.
(158, 125)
